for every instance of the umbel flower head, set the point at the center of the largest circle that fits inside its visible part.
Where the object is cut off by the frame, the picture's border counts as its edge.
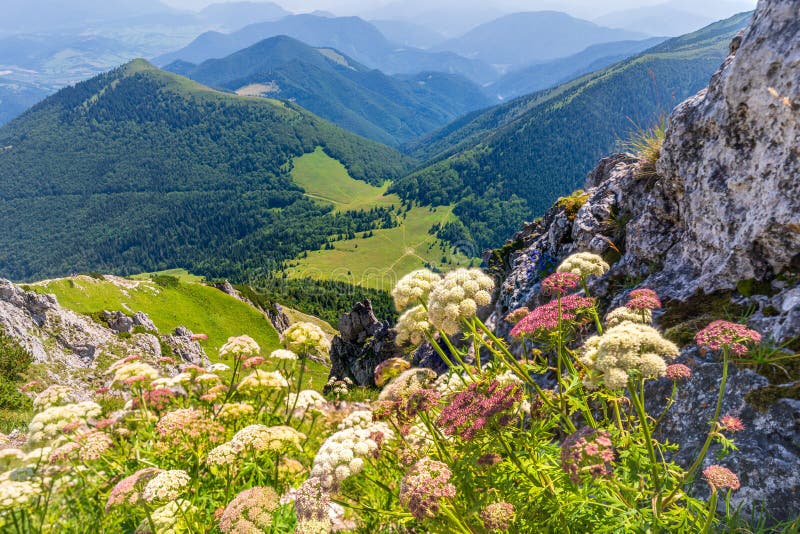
(457, 296)
(472, 409)
(545, 318)
(312, 502)
(560, 283)
(16, 494)
(730, 423)
(128, 491)
(498, 516)
(135, 372)
(406, 383)
(239, 347)
(261, 438)
(678, 371)
(52, 396)
(413, 326)
(721, 477)
(187, 431)
(170, 518)
(282, 354)
(722, 334)
(424, 487)
(619, 315)
(643, 299)
(166, 486)
(583, 264)
(259, 382)
(587, 452)
(414, 288)
(54, 421)
(624, 349)
(308, 399)
(307, 338)
(342, 454)
(250, 512)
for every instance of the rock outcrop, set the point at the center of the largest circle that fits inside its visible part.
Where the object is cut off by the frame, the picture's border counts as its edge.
(185, 347)
(715, 230)
(274, 312)
(362, 344)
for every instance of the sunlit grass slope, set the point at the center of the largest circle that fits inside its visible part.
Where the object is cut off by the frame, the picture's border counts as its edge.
(376, 261)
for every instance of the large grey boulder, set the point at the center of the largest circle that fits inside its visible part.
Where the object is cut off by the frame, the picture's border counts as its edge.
(186, 348)
(363, 343)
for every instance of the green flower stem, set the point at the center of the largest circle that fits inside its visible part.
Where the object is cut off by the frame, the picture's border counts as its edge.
(712, 512)
(636, 389)
(442, 355)
(455, 354)
(456, 521)
(669, 404)
(149, 519)
(302, 363)
(689, 475)
(237, 361)
(518, 463)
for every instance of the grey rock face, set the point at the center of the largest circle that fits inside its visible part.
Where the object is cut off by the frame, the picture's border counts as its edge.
(364, 342)
(117, 321)
(186, 348)
(142, 319)
(731, 159)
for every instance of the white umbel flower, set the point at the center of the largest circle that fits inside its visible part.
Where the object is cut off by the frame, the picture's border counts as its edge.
(583, 264)
(414, 288)
(458, 296)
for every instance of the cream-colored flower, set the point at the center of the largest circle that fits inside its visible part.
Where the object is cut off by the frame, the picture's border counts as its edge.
(457, 296)
(584, 264)
(343, 453)
(282, 354)
(239, 346)
(260, 381)
(235, 411)
(308, 399)
(307, 338)
(52, 396)
(134, 372)
(413, 326)
(166, 486)
(619, 315)
(261, 438)
(414, 288)
(223, 455)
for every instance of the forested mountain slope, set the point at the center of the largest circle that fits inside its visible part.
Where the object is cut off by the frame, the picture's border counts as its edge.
(147, 170)
(387, 109)
(511, 162)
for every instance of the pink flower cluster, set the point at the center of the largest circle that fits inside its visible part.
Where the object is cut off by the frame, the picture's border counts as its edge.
(721, 477)
(587, 451)
(472, 409)
(311, 502)
(721, 334)
(254, 361)
(157, 399)
(188, 431)
(424, 486)
(498, 516)
(731, 423)
(678, 371)
(545, 317)
(643, 299)
(129, 489)
(560, 283)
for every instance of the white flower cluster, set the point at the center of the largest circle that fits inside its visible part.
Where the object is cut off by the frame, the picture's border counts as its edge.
(308, 399)
(356, 419)
(457, 296)
(343, 453)
(413, 326)
(166, 486)
(52, 396)
(451, 383)
(169, 519)
(14, 494)
(617, 316)
(171, 382)
(207, 377)
(259, 381)
(235, 410)
(583, 264)
(282, 354)
(133, 371)
(307, 338)
(261, 438)
(340, 388)
(414, 288)
(222, 455)
(218, 368)
(239, 346)
(406, 383)
(50, 423)
(626, 348)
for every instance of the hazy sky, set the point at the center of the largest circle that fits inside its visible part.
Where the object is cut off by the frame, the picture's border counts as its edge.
(587, 8)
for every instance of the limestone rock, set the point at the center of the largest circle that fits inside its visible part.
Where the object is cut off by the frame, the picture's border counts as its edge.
(363, 343)
(143, 320)
(117, 321)
(185, 348)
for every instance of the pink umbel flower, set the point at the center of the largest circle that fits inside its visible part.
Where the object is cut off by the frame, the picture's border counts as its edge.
(250, 511)
(472, 409)
(157, 399)
(311, 502)
(545, 317)
(643, 299)
(678, 371)
(128, 491)
(498, 516)
(720, 334)
(199, 337)
(560, 283)
(589, 452)
(721, 477)
(731, 423)
(424, 486)
(255, 361)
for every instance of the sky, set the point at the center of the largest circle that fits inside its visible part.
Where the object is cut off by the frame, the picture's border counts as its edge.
(586, 8)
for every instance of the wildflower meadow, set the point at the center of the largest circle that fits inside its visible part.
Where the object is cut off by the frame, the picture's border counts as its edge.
(546, 434)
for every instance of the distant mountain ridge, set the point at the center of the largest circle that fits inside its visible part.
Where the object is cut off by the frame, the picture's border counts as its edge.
(391, 110)
(515, 159)
(349, 35)
(518, 39)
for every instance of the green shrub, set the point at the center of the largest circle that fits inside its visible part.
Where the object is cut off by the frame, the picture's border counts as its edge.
(165, 280)
(14, 358)
(12, 399)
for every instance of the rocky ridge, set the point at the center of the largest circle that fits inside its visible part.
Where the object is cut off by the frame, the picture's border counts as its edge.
(714, 228)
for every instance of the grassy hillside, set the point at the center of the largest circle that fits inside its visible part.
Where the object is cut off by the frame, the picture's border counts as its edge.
(385, 255)
(141, 170)
(200, 308)
(510, 163)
